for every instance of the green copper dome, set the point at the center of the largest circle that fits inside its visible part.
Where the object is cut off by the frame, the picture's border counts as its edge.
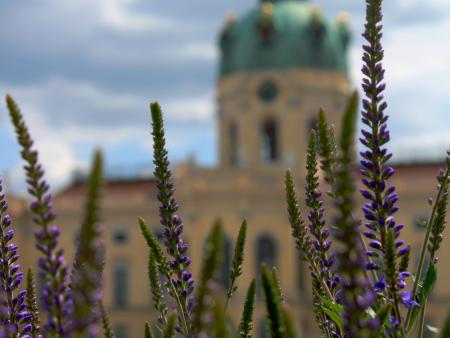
(283, 34)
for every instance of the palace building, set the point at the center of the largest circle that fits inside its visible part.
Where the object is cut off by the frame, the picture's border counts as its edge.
(279, 63)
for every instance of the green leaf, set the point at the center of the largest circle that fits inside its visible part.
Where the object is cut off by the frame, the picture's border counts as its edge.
(424, 291)
(332, 310)
(335, 307)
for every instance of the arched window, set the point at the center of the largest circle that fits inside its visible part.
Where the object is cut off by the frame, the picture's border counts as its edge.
(269, 142)
(266, 251)
(120, 285)
(234, 144)
(224, 270)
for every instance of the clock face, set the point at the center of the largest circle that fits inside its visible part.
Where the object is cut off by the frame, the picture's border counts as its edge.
(268, 91)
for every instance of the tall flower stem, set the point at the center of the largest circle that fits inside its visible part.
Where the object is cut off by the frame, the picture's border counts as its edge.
(300, 232)
(56, 294)
(423, 251)
(176, 248)
(89, 261)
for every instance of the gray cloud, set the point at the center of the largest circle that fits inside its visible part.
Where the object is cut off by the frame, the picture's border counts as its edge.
(79, 63)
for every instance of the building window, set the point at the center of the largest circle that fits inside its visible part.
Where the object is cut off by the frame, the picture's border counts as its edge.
(266, 251)
(120, 286)
(120, 237)
(234, 145)
(224, 270)
(121, 331)
(269, 142)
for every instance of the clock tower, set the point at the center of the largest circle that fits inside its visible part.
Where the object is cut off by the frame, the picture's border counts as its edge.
(279, 64)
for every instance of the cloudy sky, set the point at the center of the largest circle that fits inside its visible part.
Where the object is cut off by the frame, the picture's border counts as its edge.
(84, 72)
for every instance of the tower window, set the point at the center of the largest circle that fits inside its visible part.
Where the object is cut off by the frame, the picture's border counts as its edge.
(269, 142)
(266, 251)
(268, 91)
(120, 237)
(233, 139)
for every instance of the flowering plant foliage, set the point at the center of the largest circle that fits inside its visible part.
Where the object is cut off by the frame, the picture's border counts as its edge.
(359, 276)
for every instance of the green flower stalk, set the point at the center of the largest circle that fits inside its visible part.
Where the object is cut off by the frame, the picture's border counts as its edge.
(173, 224)
(238, 259)
(246, 325)
(439, 222)
(432, 239)
(273, 304)
(300, 233)
(157, 293)
(356, 295)
(32, 307)
(212, 250)
(327, 148)
(89, 261)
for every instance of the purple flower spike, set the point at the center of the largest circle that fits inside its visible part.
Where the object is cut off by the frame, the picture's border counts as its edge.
(381, 197)
(169, 219)
(317, 224)
(56, 296)
(13, 316)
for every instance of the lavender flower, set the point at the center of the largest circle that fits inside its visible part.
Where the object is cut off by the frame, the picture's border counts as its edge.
(380, 208)
(89, 260)
(321, 242)
(15, 316)
(56, 297)
(176, 248)
(381, 198)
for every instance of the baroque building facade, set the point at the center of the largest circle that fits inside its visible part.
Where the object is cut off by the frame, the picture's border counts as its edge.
(280, 62)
